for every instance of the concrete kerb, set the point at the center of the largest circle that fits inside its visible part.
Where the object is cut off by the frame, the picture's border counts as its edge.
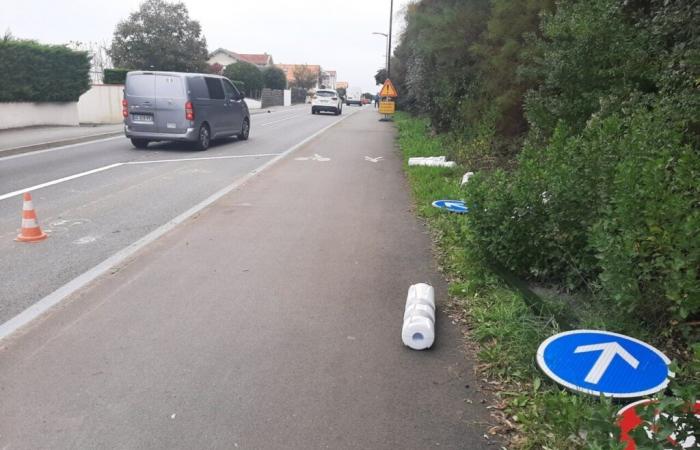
(94, 137)
(57, 143)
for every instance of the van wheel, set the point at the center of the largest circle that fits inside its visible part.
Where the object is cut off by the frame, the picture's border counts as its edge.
(313, 111)
(245, 130)
(139, 143)
(203, 138)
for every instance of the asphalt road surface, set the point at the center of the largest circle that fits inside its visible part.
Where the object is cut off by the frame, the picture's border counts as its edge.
(270, 320)
(91, 217)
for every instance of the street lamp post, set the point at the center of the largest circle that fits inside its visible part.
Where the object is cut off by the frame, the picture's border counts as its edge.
(386, 63)
(388, 39)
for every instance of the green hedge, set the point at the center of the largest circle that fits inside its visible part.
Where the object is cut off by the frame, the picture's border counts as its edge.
(115, 76)
(33, 72)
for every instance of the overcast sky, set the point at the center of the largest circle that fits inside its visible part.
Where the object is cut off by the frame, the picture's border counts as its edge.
(337, 34)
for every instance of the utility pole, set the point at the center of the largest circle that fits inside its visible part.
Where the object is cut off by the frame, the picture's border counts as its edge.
(388, 50)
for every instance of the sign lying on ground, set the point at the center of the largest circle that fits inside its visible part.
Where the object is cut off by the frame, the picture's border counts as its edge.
(604, 363)
(387, 107)
(628, 420)
(388, 90)
(455, 206)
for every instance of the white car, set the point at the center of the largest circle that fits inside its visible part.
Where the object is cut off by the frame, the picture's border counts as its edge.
(326, 100)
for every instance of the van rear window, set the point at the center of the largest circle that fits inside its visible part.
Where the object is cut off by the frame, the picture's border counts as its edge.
(198, 88)
(169, 86)
(141, 85)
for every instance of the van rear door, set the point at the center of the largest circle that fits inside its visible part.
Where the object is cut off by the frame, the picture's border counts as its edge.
(170, 104)
(140, 93)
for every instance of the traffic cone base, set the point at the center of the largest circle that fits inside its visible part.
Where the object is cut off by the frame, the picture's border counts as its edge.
(31, 232)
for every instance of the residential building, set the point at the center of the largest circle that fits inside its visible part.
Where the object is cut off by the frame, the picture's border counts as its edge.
(326, 78)
(226, 57)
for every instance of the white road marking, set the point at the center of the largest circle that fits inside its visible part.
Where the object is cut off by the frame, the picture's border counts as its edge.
(316, 157)
(82, 280)
(85, 240)
(374, 160)
(112, 166)
(60, 180)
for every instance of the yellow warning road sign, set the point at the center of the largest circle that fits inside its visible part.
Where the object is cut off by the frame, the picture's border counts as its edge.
(388, 90)
(387, 107)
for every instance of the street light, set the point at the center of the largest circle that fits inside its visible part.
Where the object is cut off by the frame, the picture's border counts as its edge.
(386, 63)
(388, 39)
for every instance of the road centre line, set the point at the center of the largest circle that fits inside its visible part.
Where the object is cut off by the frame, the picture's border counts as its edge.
(112, 166)
(52, 299)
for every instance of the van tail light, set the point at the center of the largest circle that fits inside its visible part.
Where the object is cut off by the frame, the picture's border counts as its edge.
(125, 108)
(189, 111)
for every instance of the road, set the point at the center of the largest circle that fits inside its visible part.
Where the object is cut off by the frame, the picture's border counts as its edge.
(270, 320)
(92, 217)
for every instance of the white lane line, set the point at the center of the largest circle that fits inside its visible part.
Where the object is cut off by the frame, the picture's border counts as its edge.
(60, 180)
(72, 286)
(112, 166)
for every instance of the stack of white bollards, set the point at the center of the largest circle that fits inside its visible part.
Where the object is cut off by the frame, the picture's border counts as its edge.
(418, 330)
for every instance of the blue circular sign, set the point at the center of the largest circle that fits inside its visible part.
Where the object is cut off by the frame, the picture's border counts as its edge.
(455, 206)
(604, 363)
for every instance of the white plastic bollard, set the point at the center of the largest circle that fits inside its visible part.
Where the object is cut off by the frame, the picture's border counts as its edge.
(418, 330)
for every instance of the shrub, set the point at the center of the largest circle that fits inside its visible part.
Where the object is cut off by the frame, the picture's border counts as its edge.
(115, 76)
(33, 72)
(248, 73)
(274, 78)
(648, 236)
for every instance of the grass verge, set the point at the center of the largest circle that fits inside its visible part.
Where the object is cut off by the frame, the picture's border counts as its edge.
(534, 412)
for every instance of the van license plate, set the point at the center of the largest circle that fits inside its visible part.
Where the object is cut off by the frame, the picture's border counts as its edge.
(142, 118)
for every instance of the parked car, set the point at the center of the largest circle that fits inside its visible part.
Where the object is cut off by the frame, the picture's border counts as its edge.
(326, 100)
(191, 107)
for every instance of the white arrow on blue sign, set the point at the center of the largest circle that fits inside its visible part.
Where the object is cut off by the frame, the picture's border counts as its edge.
(604, 363)
(456, 206)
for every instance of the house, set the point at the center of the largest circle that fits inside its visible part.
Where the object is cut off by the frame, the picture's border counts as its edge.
(341, 84)
(327, 78)
(226, 57)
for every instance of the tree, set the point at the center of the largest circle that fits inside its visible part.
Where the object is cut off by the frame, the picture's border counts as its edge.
(342, 92)
(304, 77)
(274, 78)
(380, 76)
(159, 36)
(215, 68)
(247, 73)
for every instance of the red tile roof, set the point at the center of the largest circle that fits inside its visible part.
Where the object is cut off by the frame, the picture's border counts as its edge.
(289, 69)
(255, 58)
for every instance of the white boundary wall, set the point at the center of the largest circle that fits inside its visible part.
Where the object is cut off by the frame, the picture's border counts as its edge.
(25, 114)
(101, 104)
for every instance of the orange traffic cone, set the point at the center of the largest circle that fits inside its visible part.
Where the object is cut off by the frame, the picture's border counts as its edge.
(30, 227)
